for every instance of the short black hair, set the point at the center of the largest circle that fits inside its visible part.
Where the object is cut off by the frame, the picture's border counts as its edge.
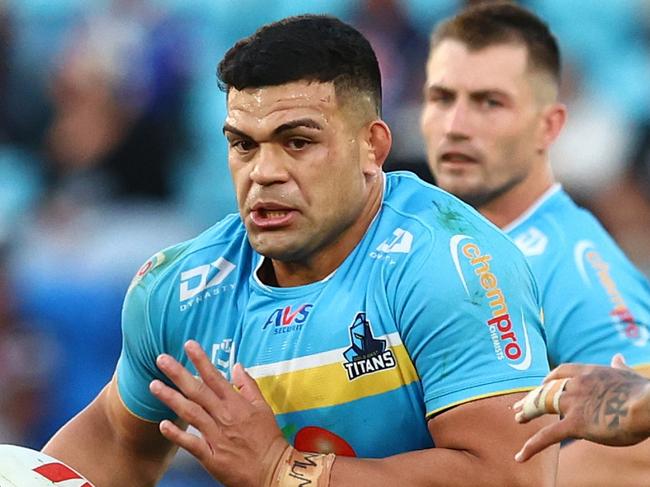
(317, 48)
(490, 23)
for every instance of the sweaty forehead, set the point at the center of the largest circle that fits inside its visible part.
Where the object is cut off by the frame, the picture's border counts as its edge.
(274, 104)
(500, 66)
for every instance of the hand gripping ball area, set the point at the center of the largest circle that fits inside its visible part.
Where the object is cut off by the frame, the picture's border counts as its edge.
(23, 467)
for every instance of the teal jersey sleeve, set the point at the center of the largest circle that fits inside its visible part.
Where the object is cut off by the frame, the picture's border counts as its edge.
(472, 320)
(141, 343)
(595, 302)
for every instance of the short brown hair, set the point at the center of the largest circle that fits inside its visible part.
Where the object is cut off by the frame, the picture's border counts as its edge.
(490, 23)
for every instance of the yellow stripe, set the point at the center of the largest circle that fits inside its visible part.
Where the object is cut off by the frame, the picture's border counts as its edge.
(643, 369)
(476, 398)
(328, 385)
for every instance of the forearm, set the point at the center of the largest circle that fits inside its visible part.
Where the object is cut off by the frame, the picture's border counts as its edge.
(587, 464)
(444, 467)
(105, 455)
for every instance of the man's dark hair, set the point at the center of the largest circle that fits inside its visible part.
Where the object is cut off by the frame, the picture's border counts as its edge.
(315, 48)
(490, 23)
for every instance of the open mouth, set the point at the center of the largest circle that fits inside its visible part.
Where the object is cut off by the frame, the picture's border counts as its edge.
(457, 157)
(270, 218)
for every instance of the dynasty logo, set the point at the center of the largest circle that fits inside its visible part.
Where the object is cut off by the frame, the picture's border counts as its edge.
(366, 354)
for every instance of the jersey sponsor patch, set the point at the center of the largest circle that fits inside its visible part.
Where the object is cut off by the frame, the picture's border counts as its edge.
(203, 282)
(591, 263)
(288, 319)
(399, 243)
(152, 263)
(532, 242)
(505, 340)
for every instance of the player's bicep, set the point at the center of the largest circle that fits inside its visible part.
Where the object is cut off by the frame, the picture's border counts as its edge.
(485, 430)
(132, 432)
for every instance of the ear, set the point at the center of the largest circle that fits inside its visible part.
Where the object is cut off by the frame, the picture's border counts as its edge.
(378, 141)
(553, 119)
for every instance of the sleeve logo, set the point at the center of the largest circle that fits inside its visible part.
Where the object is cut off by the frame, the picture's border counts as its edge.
(502, 333)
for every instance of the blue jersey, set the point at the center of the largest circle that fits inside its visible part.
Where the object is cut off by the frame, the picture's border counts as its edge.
(433, 308)
(596, 303)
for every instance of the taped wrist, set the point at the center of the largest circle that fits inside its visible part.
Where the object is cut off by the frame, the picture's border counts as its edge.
(295, 468)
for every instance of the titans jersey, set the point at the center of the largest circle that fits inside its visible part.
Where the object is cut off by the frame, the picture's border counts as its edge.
(595, 302)
(433, 308)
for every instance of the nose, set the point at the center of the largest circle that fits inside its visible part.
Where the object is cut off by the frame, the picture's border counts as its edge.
(269, 166)
(457, 122)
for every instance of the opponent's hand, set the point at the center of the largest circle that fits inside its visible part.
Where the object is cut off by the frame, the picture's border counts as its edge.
(607, 405)
(240, 441)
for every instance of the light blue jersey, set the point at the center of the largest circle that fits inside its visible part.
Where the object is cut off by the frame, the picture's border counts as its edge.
(433, 308)
(596, 303)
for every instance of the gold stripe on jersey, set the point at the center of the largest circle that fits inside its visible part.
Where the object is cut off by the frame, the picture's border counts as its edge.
(329, 385)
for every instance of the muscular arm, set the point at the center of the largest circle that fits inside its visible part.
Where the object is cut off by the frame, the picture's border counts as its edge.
(475, 445)
(110, 446)
(476, 441)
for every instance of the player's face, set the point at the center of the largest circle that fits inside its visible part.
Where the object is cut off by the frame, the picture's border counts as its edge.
(296, 163)
(482, 121)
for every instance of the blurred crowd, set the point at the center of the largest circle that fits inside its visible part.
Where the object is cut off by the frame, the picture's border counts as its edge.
(110, 149)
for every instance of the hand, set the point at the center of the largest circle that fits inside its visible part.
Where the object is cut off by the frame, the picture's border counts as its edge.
(606, 405)
(240, 440)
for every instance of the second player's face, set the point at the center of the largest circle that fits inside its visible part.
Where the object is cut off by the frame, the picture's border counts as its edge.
(481, 120)
(295, 162)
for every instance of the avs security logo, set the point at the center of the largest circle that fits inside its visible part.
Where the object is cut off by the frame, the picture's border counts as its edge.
(287, 319)
(366, 354)
(505, 340)
(588, 260)
(204, 282)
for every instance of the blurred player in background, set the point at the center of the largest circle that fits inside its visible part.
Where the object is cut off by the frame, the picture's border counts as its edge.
(376, 315)
(490, 114)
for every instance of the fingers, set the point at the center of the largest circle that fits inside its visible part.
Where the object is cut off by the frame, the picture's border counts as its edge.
(187, 410)
(618, 362)
(246, 385)
(190, 442)
(544, 438)
(189, 385)
(541, 400)
(208, 373)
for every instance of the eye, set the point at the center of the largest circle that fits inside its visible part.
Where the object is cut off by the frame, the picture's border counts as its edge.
(297, 143)
(440, 97)
(489, 102)
(242, 146)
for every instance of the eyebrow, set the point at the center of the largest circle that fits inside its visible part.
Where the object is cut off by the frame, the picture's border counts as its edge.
(476, 93)
(301, 122)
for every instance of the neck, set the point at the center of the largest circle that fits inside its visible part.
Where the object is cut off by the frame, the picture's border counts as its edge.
(325, 261)
(509, 206)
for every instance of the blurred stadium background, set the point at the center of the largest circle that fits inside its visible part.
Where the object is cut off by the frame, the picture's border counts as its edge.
(111, 148)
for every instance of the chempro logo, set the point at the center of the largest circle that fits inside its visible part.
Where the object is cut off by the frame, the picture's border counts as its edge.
(505, 339)
(588, 258)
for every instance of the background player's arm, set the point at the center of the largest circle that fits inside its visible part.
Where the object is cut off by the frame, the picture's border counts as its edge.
(475, 445)
(583, 463)
(573, 307)
(111, 446)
